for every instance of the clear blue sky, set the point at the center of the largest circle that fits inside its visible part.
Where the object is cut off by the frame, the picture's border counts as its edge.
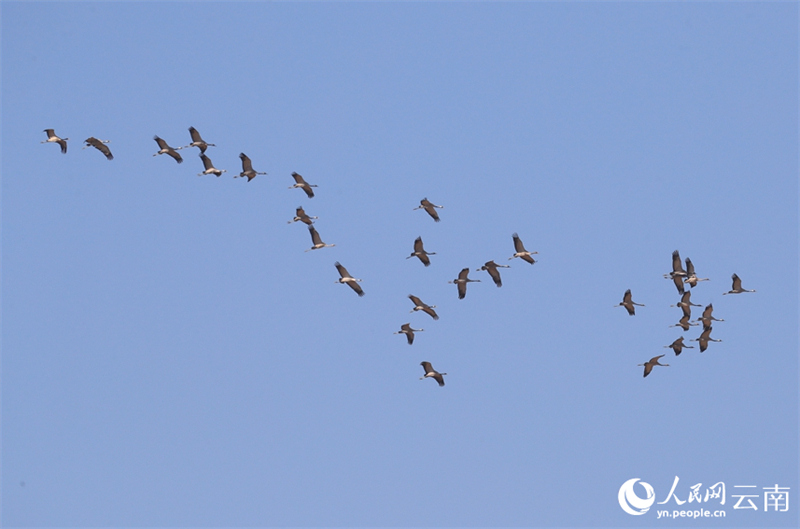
(172, 357)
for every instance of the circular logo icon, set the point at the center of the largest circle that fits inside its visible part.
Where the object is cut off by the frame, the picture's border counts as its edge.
(633, 504)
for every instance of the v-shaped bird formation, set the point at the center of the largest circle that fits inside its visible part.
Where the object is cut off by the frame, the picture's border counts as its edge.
(317, 242)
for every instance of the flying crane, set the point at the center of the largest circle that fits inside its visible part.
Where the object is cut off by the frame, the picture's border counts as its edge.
(302, 184)
(461, 282)
(429, 207)
(348, 279)
(737, 286)
(419, 251)
(648, 366)
(408, 331)
(691, 277)
(628, 303)
(686, 304)
(52, 138)
(432, 373)
(494, 273)
(707, 318)
(197, 141)
(419, 305)
(520, 251)
(317, 240)
(678, 346)
(247, 168)
(210, 169)
(100, 145)
(678, 273)
(300, 215)
(164, 148)
(704, 338)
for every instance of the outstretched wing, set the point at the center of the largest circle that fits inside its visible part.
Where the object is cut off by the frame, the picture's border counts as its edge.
(342, 270)
(678, 280)
(518, 246)
(689, 267)
(315, 238)
(195, 135)
(676, 262)
(355, 286)
(247, 165)
(432, 313)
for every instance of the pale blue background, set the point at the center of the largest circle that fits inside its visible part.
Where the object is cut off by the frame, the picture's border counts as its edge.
(172, 357)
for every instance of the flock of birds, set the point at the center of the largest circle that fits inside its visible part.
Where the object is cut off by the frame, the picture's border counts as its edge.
(317, 243)
(678, 275)
(681, 276)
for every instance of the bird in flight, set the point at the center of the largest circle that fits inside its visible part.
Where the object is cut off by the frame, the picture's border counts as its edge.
(419, 305)
(409, 332)
(52, 138)
(347, 278)
(100, 145)
(494, 273)
(430, 208)
(302, 184)
(432, 373)
(247, 168)
(648, 366)
(737, 286)
(419, 251)
(520, 251)
(164, 148)
(628, 303)
(461, 282)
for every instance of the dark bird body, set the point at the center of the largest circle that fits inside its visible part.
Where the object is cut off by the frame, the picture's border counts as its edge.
(300, 215)
(302, 184)
(678, 346)
(691, 276)
(430, 208)
(494, 273)
(347, 278)
(707, 317)
(209, 167)
(427, 309)
(317, 240)
(100, 145)
(648, 366)
(737, 286)
(684, 323)
(704, 338)
(686, 304)
(197, 141)
(409, 332)
(628, 303)
(164, 148)
(247, 168)
(432, 373)
(520, 251)
(52, 138)
(678, 273)
(461, 282)
(419, 252)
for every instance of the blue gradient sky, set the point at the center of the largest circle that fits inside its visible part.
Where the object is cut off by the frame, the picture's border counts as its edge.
(172, 357)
